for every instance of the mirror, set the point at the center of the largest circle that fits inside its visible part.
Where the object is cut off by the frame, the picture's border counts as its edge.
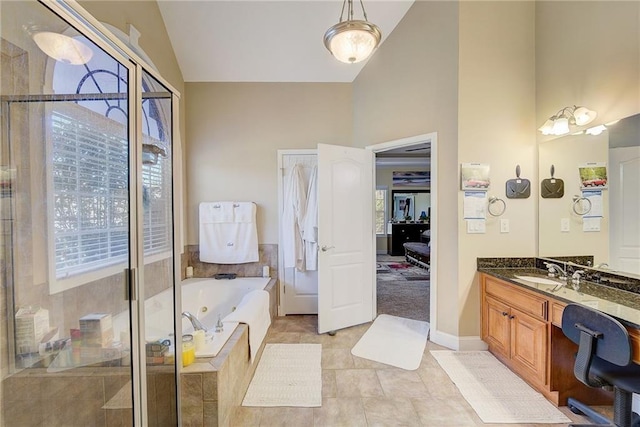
(614, 238)
(410, 205)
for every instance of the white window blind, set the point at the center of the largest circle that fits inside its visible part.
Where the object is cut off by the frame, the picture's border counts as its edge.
(90, 178)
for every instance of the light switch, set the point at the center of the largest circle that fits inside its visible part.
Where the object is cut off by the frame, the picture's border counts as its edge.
(476, 226)
(565, 225)
(504, 225)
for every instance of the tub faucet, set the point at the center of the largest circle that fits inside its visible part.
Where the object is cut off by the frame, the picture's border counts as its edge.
(555, 268)
(197, 325)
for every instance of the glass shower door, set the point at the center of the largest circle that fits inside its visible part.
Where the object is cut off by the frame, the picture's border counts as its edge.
(66, 224)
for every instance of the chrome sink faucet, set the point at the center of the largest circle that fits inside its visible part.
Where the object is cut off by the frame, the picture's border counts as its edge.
(556, 269)
(577, 276)
(197, 325)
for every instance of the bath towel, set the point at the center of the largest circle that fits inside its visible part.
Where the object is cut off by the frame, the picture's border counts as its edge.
(254, 311)
(228, 232)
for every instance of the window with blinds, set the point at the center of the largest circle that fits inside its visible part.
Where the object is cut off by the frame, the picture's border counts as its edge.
(90, 184)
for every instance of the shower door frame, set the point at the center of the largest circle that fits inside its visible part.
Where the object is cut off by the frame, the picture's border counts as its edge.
(91, 28)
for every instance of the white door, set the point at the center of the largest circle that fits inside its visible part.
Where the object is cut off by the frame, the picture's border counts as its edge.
(346, 281)
(625, 205)
(299, 289)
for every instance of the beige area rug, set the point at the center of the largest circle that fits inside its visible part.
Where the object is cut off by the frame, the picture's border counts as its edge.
(287, 375)
(395, 341)
(495, 393)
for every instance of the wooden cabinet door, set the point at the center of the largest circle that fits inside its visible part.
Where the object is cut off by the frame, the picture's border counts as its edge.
(529, 345)
(496, 326)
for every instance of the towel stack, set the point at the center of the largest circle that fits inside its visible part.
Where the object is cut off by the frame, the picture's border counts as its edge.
(228, 232)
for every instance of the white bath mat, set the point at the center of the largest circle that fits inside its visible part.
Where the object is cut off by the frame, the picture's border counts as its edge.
(287, 375)
(495, 393)
(395, 341)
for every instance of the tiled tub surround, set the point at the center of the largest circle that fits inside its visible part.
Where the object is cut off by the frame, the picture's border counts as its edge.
(82, 396)
(618, 295)
(212, 387)
(268, 254)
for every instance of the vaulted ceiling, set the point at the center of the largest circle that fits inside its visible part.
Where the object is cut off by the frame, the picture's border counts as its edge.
(265, 41)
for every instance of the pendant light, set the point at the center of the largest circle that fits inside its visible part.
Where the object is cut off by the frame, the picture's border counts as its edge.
(352, 40)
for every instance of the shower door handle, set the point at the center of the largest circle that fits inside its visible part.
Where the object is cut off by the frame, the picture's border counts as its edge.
(326, 248)
(130, 284)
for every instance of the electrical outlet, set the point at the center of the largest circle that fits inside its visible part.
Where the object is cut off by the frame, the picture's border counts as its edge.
(565, 225)
(504, 225)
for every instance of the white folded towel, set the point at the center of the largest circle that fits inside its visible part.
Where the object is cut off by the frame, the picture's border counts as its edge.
(254, 311)
(216, 212)
(228, 232)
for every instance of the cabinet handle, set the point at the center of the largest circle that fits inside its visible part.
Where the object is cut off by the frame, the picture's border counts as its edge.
(512, 317)
(504, 313)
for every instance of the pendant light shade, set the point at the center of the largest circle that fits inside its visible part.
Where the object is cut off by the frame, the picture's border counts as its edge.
(352, 41)
(63, 48)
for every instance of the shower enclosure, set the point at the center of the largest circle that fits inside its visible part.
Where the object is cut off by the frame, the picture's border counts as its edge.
(86, 224)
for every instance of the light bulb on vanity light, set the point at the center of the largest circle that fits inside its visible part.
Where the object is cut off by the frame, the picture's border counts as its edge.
(596, 130)
(584, 116)
(560, 126)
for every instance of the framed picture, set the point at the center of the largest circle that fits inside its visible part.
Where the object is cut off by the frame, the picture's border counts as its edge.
(593, 176)
(474, 176)
(411, 179)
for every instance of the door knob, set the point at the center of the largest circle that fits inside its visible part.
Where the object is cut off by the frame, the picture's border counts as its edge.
(326, 248)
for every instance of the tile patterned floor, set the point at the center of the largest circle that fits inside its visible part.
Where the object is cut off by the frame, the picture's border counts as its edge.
(360, 392)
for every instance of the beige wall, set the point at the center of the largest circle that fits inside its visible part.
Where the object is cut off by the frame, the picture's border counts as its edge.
(235, 130)
(409, 87)
(496, 126)
(588, 53)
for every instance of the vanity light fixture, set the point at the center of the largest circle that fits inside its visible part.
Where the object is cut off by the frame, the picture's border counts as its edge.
(352, 40)
(63, 48)
(559, 123)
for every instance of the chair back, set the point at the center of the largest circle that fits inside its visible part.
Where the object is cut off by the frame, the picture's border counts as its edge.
(608, 338)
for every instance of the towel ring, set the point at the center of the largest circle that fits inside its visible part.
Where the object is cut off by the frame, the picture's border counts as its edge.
(576, 204)
(500, 210)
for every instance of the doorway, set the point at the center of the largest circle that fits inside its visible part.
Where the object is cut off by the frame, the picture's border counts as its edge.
(406, 287)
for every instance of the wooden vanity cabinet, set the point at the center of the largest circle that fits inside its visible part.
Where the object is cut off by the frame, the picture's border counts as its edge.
(515, 327)
(523, 330)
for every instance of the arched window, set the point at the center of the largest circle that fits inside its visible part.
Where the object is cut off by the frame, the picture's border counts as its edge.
(89, 148)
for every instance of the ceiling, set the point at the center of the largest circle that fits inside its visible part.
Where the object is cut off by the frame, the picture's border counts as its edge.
(265, 41)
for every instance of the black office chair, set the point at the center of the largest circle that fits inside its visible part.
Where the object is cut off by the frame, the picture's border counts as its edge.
(603, 360)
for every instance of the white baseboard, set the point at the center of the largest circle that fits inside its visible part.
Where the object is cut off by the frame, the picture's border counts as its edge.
(454, 342)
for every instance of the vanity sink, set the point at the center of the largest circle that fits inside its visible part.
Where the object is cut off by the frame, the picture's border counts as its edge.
(542, 280)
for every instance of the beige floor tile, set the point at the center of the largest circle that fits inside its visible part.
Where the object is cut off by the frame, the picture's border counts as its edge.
(294, 417)
(329, 383)
(336, 358)
(343, 412)
(245, 416)
(283, 337)
(390, 412)
(362, 363)
(358, 383)
(400, 383)
(445, 411)
(301, 324)
(437, 382)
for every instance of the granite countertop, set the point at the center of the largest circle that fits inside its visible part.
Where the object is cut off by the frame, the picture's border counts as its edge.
(621, 304)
